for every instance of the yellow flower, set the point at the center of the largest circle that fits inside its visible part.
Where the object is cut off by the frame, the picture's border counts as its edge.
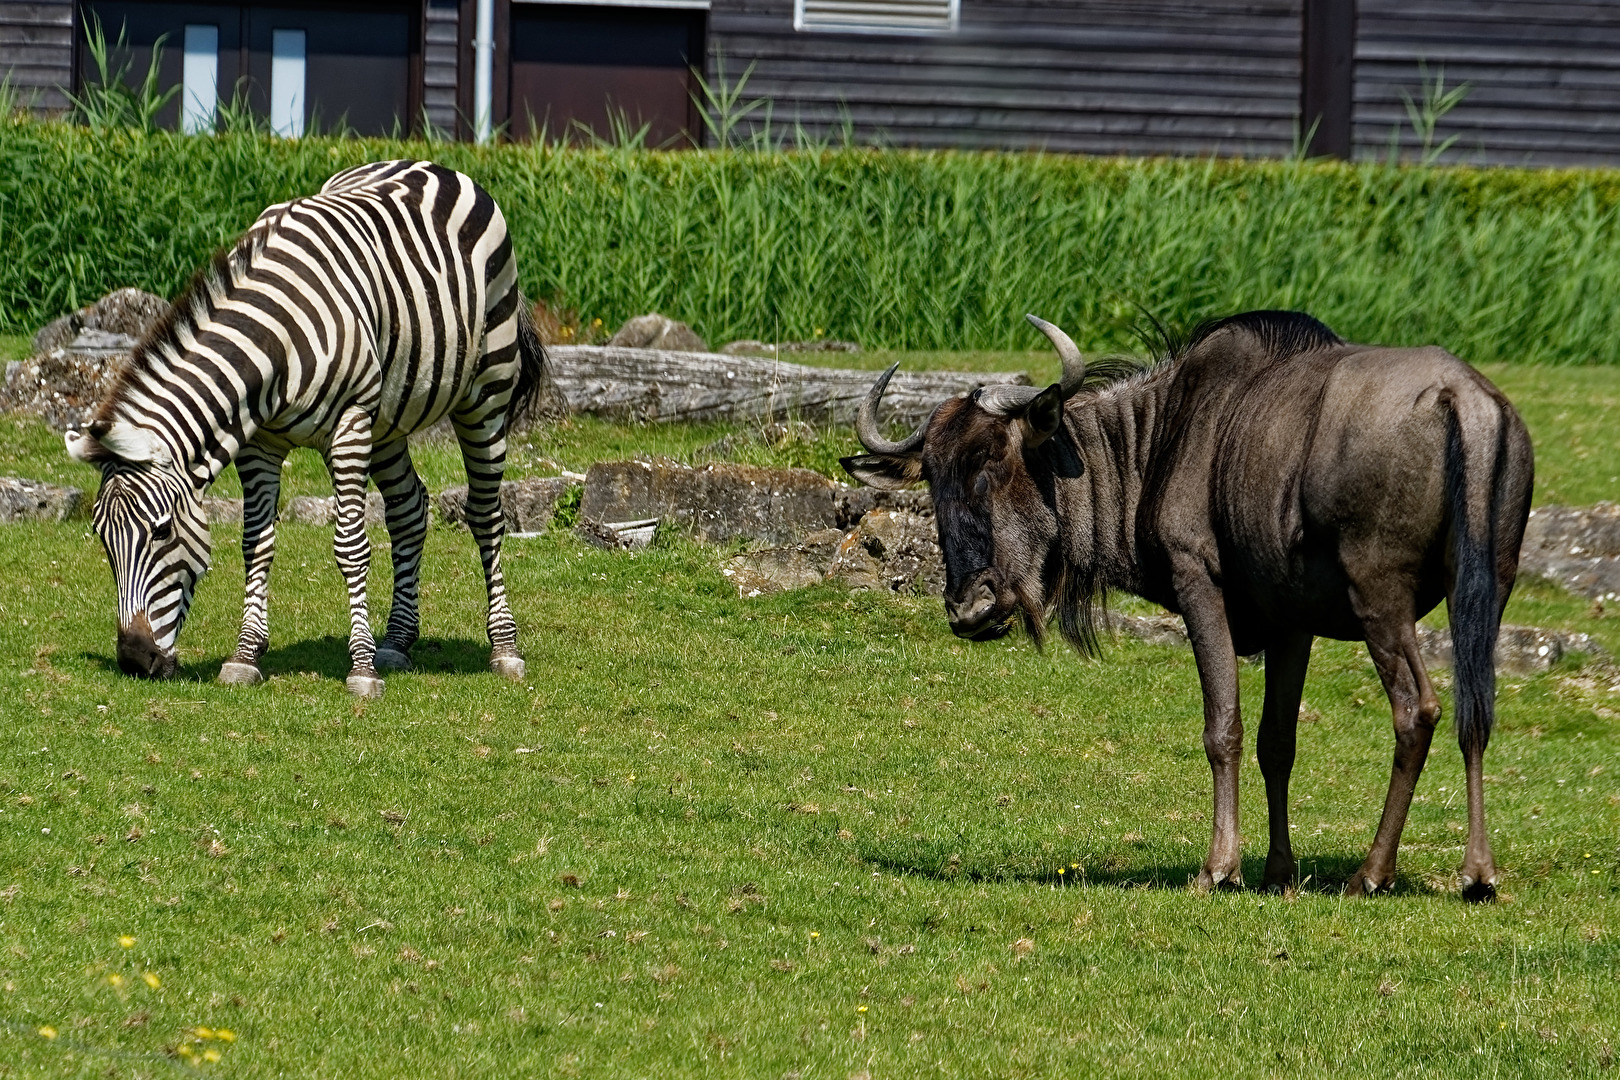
(47, 1032)
(185, 1050)
(861, 1009)
(127, 942)
(815, 933)
(151, 980)
(1060, 870)
(116, 980)
(224, 1034)
(210, 1055)
(204, 1033)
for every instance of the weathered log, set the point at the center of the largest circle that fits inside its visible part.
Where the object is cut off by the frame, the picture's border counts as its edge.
(653, 385)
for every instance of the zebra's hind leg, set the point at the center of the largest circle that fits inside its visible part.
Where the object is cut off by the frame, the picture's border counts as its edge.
(482, 433)
(407, 502)
(349, 461)
(260, 470)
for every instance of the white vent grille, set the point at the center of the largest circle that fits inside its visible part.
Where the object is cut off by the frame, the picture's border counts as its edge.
(876, 16)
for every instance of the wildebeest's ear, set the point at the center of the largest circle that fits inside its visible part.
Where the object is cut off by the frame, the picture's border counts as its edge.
(888, 471)
(1042, 416)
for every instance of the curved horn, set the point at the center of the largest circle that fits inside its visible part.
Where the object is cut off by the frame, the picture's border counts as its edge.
(1003, 399)
(866, 422)
(1074, 365)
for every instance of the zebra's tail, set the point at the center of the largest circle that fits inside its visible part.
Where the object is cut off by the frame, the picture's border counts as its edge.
(529, 397)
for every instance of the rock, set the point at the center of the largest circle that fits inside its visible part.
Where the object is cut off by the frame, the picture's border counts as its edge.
(528, 505)
(64, 386)
(750, 347)
(220, 511)
(1153, 629)
(26, 500)
(770, 570)
(893, 551)
(854, 503)
(124, 312)
(718, 502)
(599, 535)
(1520, 650)
(657, 331)
(1576, 546)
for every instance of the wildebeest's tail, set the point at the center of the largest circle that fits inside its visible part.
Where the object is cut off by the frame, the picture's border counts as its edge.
(527, 396)
(1476, 487)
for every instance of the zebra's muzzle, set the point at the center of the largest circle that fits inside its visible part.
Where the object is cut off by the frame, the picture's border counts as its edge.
(139, 654)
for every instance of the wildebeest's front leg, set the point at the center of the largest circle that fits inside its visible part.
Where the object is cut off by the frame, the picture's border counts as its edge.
(1205, 614)
(1394, 648)
(1286, 661)
(349, 461)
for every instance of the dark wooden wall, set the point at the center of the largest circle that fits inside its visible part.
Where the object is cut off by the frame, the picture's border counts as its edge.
(1095, 76)
(1545, 77)
(36, 48)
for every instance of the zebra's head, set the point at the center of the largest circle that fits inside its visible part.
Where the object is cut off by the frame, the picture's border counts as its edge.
(152, 525)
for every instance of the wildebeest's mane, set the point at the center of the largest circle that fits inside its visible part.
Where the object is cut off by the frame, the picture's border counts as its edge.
(1284, 333)
(192, 307)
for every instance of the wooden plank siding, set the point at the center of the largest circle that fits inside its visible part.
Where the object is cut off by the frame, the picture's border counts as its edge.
(36, 50)
(1544, 78)
(1093, 76)
(441, 50)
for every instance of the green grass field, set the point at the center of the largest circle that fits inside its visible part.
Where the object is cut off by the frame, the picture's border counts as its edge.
(808, 834)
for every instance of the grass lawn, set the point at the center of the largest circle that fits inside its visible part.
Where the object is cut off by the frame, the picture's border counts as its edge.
(804, 834)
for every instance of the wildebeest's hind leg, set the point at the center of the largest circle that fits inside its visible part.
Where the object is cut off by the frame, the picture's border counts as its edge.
(1286, 661)
(406, 500)
(1393, 644)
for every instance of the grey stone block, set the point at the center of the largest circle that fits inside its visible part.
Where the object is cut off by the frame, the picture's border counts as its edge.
(717, 502)
(26, 500)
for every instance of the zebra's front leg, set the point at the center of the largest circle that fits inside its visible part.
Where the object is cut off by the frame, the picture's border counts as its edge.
(407, 502)
(349, 461)
(260, 470)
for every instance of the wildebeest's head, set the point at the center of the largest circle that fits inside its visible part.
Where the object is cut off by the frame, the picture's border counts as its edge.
(990, 459)
(152, 525)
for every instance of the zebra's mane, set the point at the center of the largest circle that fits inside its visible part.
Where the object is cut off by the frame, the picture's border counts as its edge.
(194, 307)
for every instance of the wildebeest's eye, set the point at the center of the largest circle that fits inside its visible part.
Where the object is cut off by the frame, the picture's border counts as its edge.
(163, 529)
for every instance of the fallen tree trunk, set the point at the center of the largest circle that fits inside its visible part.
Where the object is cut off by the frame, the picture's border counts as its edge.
(655, 386)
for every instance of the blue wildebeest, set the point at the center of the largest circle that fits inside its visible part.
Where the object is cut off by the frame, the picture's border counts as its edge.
(1270, 483)
(344, 321)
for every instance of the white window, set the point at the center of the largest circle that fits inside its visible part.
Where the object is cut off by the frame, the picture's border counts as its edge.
(876, 16)
(199, 79)
(287, 83)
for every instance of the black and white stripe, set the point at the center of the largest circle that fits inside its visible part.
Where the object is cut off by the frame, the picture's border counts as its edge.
(344, 321)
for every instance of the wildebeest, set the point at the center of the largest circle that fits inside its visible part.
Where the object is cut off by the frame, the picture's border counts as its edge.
(1270, 483)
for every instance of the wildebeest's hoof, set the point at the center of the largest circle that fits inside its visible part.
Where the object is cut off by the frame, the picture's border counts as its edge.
(1479, 890)
(1367, 883)
(236, 673)
(366, 686)
(1211, 879)
(508, 667)
(1281, 872)
(388, 658)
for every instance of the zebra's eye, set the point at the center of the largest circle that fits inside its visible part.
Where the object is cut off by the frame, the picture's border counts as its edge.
(163, 529)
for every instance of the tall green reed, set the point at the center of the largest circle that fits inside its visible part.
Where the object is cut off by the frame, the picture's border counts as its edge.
(896, 249)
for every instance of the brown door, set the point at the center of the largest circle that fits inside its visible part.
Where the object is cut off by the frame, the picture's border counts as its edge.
(607, 71)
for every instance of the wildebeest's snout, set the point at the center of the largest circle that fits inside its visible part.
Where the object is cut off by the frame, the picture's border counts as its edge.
(978, 610)
(139, 654)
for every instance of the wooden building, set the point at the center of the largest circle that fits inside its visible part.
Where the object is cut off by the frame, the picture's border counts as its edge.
(1227, 77)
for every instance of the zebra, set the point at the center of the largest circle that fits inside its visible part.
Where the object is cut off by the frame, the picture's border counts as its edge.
(342, 321)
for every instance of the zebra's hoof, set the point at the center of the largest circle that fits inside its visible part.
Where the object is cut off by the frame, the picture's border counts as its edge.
(365, 685)
(235, 673)
(389, 658)
(508, 667)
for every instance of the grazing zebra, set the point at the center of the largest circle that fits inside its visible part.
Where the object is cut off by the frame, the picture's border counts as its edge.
(344, 321)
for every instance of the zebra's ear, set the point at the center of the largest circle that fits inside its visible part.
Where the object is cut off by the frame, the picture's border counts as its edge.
(83, 447)
(122, 440)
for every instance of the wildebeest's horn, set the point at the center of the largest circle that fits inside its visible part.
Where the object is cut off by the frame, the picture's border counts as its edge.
(866, 422)
(1074, 365)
